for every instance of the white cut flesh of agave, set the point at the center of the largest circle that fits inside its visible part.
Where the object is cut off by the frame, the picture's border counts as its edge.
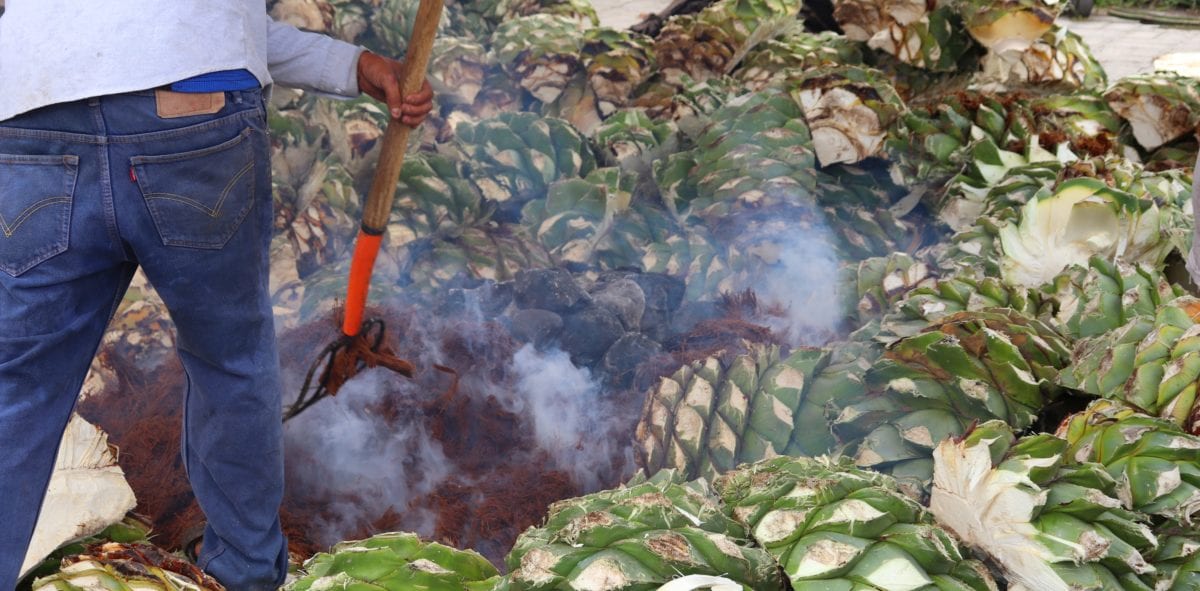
(301, 14)
(1002, 71)
(894, 569)
(779, 525)
(537, 566)
(862, 23)
(84, 575)
(992, 511)
(826, 556)
(844, 130)
(87, 492)
(460, 82)
(1056, 232)
(1013, 32)
(908, 12)
(899, 41)
(1185, 63)
(340, 580)
(603, 574)
(1151, 126)
(701, 583)
(91, 575)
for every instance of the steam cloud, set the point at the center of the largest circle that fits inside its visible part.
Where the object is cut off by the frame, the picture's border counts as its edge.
(571, 416)
(804, 283)
(352, 445)
(571, 420)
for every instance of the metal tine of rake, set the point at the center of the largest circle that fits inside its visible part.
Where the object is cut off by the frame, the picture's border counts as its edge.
(312, 392)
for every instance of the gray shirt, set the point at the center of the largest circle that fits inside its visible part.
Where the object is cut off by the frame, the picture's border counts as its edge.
(54, 51)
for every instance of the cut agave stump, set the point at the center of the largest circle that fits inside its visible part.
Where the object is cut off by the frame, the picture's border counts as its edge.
(755, 153)
(1178, 560)
(850, 110)
(640, 536)
(1160, 108)
(1009, 25)
(87, 492)
(926, 35)
(833, 526)
(120, 567)
(1087, 302)
(1048, 525)
(1153, 461)
(1060, 59)
(882, 282)
(595, 221)
(395, 562)
(968, 367)
(932, 302)
(1080, 219)
(458, 69)
(715, 414)
(620, 61)
(132, 530)
(542, 52)
(713, 41)
(517, 156)
(794, 52)
(1151, 363)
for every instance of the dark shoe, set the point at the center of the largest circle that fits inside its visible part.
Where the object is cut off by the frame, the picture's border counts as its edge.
(193, 542)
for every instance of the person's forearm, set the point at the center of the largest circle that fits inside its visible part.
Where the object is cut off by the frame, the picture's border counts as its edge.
(311, 61)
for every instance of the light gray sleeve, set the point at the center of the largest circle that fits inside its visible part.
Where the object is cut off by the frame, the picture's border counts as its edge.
(311, 61)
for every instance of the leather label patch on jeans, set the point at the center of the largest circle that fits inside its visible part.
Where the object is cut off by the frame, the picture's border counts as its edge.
(185, 104)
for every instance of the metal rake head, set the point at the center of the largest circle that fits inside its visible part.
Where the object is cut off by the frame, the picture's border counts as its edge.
(336, 364)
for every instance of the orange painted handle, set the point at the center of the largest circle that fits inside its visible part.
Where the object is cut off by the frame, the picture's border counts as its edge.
(366, 247)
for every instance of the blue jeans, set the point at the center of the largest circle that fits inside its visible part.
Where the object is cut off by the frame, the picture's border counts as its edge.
(89, 191)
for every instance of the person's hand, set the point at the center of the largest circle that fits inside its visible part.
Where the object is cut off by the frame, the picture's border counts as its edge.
(380, 78)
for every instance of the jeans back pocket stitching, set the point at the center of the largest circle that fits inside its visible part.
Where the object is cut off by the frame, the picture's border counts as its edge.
(29, 211)
(70, 168)
(216, 209)
(227, 145)
(67, 160)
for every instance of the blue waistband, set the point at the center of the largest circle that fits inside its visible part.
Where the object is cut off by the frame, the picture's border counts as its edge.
(224, 80)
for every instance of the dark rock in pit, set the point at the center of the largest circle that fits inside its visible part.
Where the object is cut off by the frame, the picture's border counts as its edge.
(664, 294)
(689, 315)
(651, 371)
(625, 298)
(487, 300)
(623, 358)
(535, 326)
(548, 289)
(587, 335)
(656, 324)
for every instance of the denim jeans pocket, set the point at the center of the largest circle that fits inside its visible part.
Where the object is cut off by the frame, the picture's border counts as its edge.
(36, 195)
(198, 199)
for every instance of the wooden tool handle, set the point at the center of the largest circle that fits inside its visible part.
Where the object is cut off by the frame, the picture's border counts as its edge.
(395, 139)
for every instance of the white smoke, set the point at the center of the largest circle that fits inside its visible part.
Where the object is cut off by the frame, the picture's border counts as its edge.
(568, 412)
(368, 464)
(804, 282)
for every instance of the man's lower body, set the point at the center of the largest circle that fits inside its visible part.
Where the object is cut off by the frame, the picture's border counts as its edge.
(89, 191)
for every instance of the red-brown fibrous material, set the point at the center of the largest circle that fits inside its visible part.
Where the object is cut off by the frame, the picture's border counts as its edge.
(501, 482)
